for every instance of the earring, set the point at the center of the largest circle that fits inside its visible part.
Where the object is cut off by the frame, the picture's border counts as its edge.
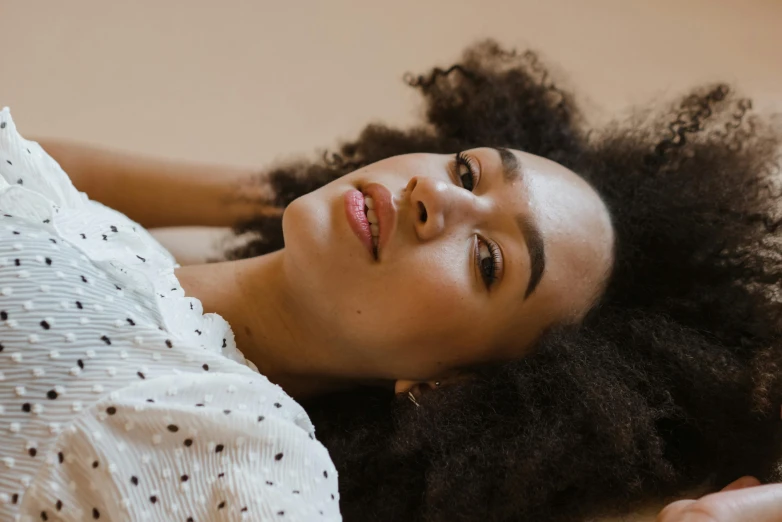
(412, 398)
(437, 384)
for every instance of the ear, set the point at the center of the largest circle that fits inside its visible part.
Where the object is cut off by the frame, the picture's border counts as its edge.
(403, 386)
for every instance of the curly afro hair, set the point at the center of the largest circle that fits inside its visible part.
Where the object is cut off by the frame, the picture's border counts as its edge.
(672, 381)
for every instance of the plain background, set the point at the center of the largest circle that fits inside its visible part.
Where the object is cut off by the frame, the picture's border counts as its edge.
(250, 82)
(247, 82)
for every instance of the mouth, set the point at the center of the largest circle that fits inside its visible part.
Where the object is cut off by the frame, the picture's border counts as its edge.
(372, 216)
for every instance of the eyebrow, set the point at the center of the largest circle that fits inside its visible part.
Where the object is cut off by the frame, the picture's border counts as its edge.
(530, 231)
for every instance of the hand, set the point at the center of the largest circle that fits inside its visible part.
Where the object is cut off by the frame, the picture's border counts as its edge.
(743, 500)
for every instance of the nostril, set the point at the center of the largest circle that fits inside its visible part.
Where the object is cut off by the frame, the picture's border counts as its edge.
(422, 212)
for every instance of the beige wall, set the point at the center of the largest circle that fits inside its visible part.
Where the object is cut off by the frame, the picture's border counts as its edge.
(247, 81)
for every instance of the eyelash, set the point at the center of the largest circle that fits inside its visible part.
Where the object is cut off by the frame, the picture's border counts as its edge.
(488, 266)
(466, 161)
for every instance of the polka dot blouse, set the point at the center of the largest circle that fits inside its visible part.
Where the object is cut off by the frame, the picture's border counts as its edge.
(119, 398)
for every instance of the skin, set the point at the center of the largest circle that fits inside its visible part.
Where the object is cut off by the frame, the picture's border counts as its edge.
(322, 313)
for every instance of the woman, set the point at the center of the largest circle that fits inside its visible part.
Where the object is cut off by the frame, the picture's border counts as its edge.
(546, 325)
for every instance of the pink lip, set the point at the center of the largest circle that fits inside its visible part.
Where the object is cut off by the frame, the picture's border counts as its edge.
(386, 213)
(357, 218)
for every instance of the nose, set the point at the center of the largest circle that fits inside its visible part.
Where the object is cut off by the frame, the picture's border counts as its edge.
(436, 205)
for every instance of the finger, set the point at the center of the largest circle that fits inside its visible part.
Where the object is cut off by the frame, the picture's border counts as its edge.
(758, 504)
(673, 511)
(743, 482)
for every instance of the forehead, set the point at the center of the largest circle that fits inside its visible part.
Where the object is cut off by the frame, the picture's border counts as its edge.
(576, 230)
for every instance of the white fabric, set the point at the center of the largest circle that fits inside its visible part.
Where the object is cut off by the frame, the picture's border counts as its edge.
(119, 398)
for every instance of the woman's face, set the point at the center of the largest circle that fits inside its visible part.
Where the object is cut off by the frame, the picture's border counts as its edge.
(477, 255)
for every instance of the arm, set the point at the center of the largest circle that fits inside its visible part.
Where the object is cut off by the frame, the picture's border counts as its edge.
(158, 193)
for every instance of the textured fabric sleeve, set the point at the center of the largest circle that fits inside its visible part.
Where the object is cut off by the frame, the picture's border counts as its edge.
(189, 448)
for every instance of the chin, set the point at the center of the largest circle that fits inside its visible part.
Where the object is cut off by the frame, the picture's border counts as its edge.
(311, 245)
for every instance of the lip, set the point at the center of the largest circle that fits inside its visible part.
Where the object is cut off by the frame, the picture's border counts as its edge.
(386, 213)
(357, 218)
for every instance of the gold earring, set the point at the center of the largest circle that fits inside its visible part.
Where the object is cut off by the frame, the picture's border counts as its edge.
(412, 398)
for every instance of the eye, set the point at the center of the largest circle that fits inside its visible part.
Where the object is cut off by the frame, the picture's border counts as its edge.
(466, 171)
(489, 261)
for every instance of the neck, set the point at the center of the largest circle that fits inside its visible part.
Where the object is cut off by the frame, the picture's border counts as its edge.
(251, 295)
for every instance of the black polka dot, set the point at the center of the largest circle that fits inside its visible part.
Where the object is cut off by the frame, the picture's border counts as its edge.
(269, 483)
(16, 261)
(117, 286)
(227, 412)
(198, 331)
(105, 339)
(150, 400)
(131, 321)
(260, 418)
(80, 363)
(58, 505)
(45, 220)
(221, 505)
(48, 261)
(3, 315)
(200, 405)
(32, 452)
(220, 475)
(281, 513)
(52, 394)
(2, 347)
(26, 407)
(9, 162)
(2, 125)
(141, 375)
(205, 367)
(95, 513)
(44, 516)
(45, 325)
(111, 410)
(78, 305)
(138, 256)
(51, 238)
(173, 428)
(153, 499)
(296, 491)
(278, 457)
(134, 480)
(184, 478)
(84, 279)
(188, 442)
(219, 448)
(105, 237)
(223, 343)
(277, 405)
(244, 509)
(325, 474)
(332, 496)
(190, 519)
(83, 236)
(15, 498)
(60, 457)
(168, 343)
(113, 228)
(95, 464)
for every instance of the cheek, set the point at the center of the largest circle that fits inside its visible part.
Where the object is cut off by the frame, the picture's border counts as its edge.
(421, 301)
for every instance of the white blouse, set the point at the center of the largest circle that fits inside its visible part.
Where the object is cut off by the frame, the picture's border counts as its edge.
(119, 398)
